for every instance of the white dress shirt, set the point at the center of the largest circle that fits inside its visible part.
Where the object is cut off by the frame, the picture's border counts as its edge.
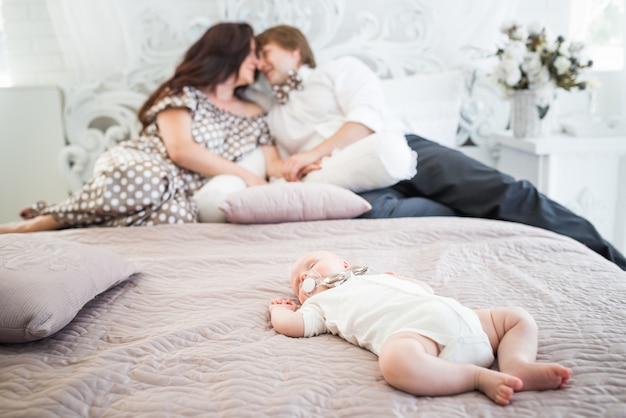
(340, 91)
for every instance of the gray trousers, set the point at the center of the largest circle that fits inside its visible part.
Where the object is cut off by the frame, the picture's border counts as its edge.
(449, 183)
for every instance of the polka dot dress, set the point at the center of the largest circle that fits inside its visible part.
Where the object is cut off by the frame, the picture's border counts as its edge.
(136, 183)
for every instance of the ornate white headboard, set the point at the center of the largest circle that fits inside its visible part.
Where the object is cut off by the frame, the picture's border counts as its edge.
(395, 38)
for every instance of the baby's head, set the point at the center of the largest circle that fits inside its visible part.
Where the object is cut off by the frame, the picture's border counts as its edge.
(322, 263)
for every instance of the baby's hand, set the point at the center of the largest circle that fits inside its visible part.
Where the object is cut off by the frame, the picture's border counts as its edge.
(285, 303)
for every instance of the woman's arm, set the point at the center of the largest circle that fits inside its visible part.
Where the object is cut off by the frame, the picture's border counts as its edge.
(273, 162)
(175, 129)
(286, 319)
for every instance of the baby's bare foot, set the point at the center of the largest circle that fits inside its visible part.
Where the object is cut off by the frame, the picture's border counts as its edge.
(542, 376)
(498, 386)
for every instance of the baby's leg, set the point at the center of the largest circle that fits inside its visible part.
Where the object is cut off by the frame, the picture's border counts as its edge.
(513, 335)
(409, 362)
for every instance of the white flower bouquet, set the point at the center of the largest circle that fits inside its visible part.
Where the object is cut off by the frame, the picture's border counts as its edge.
(530, 61)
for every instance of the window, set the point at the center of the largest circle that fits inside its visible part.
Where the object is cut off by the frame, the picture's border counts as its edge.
(5, 80)
(603, 32)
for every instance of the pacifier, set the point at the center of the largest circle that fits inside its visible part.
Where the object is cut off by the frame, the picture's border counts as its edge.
(311, 281)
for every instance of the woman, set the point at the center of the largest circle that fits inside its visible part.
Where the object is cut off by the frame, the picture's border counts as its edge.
(194, 126)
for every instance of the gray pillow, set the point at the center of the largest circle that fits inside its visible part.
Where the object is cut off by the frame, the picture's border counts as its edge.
(45, 281)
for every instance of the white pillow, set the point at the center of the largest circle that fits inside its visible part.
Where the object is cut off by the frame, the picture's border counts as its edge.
(291, 202)
(378, 160)
(428, 105)
(212, 193)
(209, 196)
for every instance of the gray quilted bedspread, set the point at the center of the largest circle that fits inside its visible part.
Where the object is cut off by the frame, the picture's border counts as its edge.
(190, 336)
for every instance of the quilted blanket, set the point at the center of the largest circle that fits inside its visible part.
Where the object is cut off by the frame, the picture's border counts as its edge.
(190, 335)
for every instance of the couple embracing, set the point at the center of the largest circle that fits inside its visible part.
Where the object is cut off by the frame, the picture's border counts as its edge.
(198, 124)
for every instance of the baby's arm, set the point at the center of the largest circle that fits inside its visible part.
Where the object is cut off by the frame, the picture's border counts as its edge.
(286, 319)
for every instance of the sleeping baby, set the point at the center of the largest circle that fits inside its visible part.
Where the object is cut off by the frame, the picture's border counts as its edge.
(426, 344)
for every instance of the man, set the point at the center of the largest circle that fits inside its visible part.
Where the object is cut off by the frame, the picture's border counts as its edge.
(322, 109)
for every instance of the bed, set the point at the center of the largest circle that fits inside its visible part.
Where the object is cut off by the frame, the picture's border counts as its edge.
(189, 335)
(173, 320)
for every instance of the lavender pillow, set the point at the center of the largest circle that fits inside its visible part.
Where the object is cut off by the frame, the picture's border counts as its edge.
(290, 202)
(45, 281)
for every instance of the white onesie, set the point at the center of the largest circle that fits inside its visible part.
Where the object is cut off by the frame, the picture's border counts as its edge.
(367, 309)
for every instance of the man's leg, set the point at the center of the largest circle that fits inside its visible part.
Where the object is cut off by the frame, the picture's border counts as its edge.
(389, 203)
(474, 189)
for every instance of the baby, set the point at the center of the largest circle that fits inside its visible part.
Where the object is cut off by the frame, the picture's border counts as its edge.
(426, 344)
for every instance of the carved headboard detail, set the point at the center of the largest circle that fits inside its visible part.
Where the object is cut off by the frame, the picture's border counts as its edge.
(395, 40)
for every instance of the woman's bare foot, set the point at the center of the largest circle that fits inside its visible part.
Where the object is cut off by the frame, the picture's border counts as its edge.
(499, 387)
(38, 223)
(541, 376)
(11, 227)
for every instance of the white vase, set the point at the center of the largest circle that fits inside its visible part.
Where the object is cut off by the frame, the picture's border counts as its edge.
(532, 116)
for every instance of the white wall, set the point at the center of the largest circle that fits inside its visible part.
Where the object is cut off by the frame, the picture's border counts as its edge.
(35, 57)
(31, 129)
(31, 137)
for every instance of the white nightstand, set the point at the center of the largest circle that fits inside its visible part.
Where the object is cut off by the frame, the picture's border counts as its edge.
(585, 174)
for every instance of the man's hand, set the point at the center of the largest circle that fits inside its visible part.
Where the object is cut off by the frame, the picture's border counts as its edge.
(311, 167)
(298, 165)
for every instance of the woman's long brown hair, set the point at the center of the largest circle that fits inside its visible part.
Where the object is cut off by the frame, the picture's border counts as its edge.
(214, 57)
